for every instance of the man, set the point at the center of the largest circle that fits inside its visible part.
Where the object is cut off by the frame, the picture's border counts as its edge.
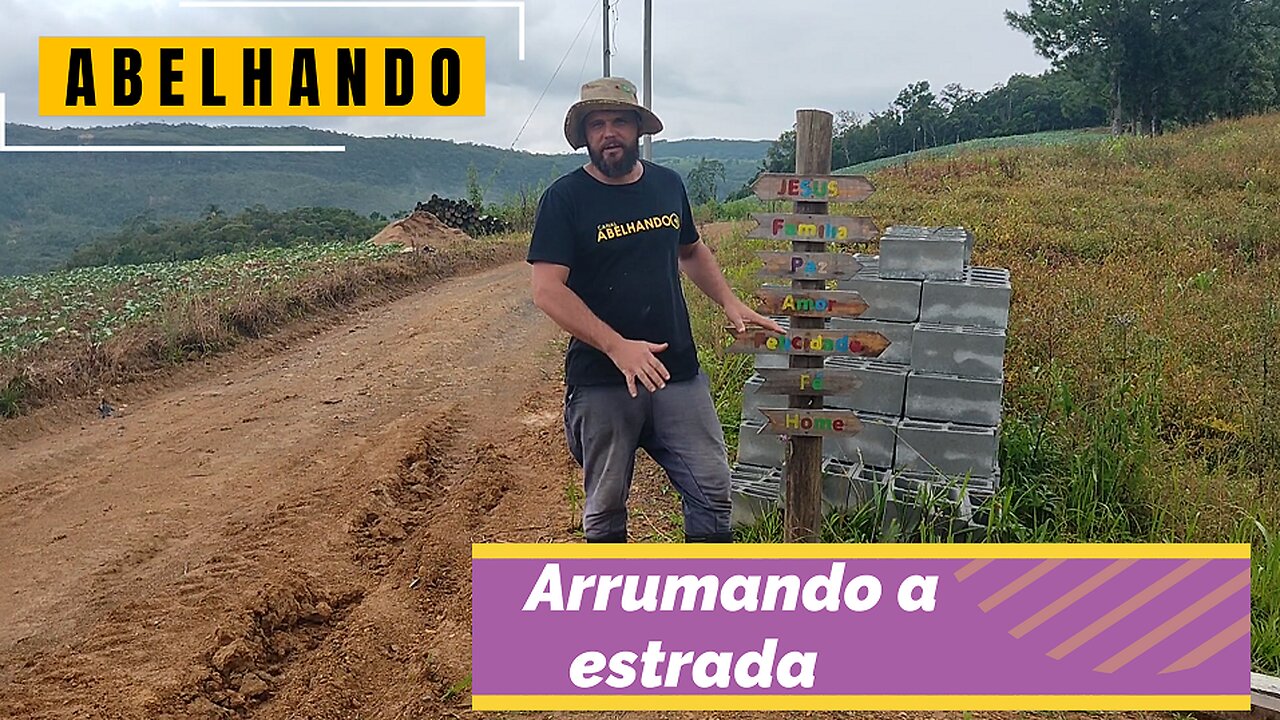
(608, 245)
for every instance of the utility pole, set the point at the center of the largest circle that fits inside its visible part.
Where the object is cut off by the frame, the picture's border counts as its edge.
(648, 72)
(606, 38)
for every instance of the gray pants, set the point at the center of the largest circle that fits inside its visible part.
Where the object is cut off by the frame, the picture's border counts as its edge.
(677, 426)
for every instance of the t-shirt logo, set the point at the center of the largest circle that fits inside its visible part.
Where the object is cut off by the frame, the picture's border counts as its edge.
(613, 230)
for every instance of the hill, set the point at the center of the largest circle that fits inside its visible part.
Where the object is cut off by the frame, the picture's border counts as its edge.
(51, 204)
(1042, 139)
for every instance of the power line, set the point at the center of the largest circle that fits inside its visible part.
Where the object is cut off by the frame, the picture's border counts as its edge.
(586, 54)
(590, 15)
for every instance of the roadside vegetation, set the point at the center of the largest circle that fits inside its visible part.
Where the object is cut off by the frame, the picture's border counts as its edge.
(1141, 399)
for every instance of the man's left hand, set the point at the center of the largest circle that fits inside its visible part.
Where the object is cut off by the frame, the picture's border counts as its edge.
(740, 316)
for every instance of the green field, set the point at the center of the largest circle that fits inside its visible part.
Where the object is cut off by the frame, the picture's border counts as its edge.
(1044, 139)
(1141, 403)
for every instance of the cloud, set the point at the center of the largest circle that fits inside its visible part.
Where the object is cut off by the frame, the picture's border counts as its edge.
(722, 68)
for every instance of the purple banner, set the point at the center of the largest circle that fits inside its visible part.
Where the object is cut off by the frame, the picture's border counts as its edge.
(861, 626)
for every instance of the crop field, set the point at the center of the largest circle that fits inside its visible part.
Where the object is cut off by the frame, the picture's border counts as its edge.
(92, 304)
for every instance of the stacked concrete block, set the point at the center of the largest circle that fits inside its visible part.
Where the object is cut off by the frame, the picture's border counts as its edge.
(921, 253)
(930, 405)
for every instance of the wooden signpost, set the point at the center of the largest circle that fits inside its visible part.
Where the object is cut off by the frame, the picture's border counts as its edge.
(790, 381)
(813, 303)
(812, 187)
(809, 266)
(816, 342)
(821, 228)
(812, 423)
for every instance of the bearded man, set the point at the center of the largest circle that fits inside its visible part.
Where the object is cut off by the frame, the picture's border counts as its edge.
(609, 243)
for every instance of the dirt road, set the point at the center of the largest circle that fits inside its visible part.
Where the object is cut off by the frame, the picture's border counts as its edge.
(293, 534)
(288, 536)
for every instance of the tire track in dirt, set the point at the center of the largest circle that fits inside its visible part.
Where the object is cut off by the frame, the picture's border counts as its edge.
(293, 539)
(270, 507)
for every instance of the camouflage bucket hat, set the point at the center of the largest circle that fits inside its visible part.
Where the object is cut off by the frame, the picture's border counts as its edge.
(611, 93)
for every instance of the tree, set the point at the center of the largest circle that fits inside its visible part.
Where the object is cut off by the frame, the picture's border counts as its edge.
(703, 180)
(475, 193)
(1162, 59)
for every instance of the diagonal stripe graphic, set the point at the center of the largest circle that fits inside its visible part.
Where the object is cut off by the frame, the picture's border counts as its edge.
(967, 571)
(1211, 647)
(1175, 623)
(1071, 597)
(1014, 587)
(1137, 601)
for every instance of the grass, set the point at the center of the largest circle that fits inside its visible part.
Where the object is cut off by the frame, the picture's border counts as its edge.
(1140, 403)
(1043, 139)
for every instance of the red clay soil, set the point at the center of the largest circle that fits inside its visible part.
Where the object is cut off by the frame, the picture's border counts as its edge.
(288, 535)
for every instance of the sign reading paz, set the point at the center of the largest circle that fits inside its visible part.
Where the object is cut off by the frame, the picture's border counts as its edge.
(808, 266)
(811, 188)
(814, 228)
(812, 423)
(808, 381)
(811, 303)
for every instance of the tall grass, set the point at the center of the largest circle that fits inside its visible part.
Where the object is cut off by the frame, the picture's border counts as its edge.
(1140, 400)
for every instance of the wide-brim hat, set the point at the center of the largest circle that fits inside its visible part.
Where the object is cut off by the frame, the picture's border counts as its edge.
(610, 93)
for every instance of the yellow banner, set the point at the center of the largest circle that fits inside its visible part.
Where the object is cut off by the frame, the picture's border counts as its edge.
(278, 76)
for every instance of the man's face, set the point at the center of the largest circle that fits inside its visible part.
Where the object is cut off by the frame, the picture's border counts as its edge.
(613, 141)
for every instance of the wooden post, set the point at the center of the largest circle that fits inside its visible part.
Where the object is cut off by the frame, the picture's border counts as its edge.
(804, 463)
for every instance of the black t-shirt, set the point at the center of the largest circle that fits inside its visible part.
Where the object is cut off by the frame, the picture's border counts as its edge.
(620, 243)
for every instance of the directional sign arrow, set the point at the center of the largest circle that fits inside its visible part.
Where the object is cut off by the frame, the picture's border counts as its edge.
(814, 228)
(811, 303)
(809, 342)
(808, 266)
(812, 423)
(812, 188)
(808, 381)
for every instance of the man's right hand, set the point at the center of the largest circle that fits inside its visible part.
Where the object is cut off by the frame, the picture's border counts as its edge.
(637, 360)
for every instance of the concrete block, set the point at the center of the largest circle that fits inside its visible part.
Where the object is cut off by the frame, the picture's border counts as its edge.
(901, 336)
(924, 253)
(980, 299)
(950, 448)
(958, 350)
(951, 398)
(874, 446)
(753, 399)
(849, 486)
(759, 447)
(883, 391)
(754, 492)
(948, 512)
(893, 300)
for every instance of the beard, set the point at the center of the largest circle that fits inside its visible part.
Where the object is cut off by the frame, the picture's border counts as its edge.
(624, 165)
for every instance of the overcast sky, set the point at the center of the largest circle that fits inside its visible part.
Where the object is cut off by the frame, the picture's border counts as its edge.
(722, 68)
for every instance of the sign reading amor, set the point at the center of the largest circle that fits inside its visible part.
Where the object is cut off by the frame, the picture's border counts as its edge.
(842, 627)
(814, 303)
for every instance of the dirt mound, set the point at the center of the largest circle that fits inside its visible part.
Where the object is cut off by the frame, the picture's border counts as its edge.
(420, 232)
